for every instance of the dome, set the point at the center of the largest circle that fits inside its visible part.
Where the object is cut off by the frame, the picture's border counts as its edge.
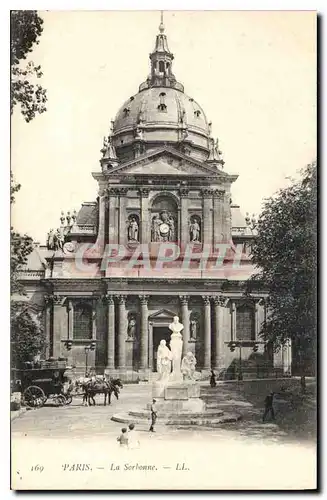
(162, 114)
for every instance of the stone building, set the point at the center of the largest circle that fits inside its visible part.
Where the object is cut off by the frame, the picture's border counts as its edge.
(164, 205)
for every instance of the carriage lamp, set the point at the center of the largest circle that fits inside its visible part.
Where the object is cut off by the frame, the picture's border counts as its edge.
(255, 347)
(68, 344)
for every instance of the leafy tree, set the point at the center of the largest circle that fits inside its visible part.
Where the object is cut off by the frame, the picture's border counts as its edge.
(285, 254)
(26, 27)
(27, 334)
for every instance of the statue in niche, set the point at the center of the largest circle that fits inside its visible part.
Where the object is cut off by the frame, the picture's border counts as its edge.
(133, 229)
(171, 223)
(195, 230)
(163, 227)
(156, 223)
(188, 367)
(131, 328)
(194, 328)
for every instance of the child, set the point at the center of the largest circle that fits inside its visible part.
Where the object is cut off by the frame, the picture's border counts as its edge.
(123, 438)
(133, 440)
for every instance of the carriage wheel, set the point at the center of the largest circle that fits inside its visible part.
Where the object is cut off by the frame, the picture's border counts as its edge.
(60, 400)
(69, 399)
(34, 396)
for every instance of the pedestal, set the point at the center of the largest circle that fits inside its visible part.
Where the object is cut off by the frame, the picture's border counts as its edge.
(177, 398)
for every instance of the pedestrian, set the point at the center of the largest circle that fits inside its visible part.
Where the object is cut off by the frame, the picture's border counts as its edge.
(133, 439)
(153, 415)
(269, 407)
(123, 438)
(213, 379)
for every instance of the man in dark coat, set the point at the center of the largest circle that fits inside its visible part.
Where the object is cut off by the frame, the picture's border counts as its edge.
(269, 407)
(153, 415)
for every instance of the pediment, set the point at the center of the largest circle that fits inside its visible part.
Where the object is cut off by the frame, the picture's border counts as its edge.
(166, 162)
(162, 314)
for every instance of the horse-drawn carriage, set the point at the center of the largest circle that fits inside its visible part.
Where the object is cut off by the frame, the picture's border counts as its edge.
(46, 381)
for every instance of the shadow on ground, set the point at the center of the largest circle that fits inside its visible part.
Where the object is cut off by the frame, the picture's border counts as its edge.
(295, 413)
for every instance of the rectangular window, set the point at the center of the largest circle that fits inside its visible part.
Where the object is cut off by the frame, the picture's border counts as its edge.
(245, 323)
(82, 321)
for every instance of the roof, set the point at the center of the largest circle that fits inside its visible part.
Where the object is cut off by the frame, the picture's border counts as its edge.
(88, 214)
(36, 259)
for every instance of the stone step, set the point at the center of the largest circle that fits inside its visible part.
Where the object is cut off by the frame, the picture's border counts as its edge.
(180, 414)
(207, 420)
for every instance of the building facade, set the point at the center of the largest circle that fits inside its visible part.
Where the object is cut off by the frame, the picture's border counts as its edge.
(162, 239)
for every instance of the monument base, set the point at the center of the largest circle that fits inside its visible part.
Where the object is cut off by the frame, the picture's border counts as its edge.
(183, 397)
(180, 405)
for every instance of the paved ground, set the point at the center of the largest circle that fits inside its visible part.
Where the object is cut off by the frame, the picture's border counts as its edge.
(248, 454)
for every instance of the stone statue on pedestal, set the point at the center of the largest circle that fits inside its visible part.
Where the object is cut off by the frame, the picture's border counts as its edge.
(176, 345)
(164, 357)
(188, 367)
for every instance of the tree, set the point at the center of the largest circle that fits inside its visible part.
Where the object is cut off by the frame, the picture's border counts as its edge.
(285, 255)
(27, 336)
(26, 27)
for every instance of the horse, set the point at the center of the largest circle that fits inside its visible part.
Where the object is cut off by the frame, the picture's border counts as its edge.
(99, 385)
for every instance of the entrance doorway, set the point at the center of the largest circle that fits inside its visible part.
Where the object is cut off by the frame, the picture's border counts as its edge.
(159, 333)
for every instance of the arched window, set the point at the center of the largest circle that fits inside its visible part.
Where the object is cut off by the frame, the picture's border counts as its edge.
(82, 321)
(162, 106)
(161, 66)
(245, 322)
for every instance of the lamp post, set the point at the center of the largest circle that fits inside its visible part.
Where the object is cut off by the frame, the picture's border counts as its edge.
(87, 349)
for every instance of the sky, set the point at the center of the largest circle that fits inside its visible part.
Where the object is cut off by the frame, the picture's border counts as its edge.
(253, 73)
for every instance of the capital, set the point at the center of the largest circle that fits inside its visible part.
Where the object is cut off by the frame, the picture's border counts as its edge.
(183, 192)
(220, 300)
(58, 299)
(206, 299)
(109, 299)
(219, 194)
(144, 192)
(206, 193)
(144, 299)
(121, 299)
(184, 299)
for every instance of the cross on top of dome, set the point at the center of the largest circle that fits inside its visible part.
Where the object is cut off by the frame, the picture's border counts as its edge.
(161, 26)
(161, 64)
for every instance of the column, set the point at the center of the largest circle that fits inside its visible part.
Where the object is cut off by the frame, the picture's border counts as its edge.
(102, 214)
(113, 229)
(110, 332)
(122, 216)
(185, 319)
(59, 331)
(47, 325)
(207, 216)
(226, 218)
(233, 320)
(184, 223)
(70, 319)
(256, 320)
(207, 333)
(144, 355)
(219, 303)
(145, 233)
(94, 319)
(121, 331)
(218, 224)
